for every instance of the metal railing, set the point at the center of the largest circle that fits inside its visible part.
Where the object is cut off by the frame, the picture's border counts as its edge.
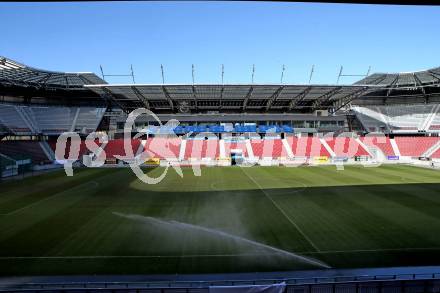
(192, 286)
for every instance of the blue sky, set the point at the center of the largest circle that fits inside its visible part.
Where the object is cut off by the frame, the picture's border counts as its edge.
(81, 36)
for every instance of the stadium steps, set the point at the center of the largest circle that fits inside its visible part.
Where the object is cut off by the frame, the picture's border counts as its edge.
(27, 119)
(432, 150)
(8, 166)
(327, 147)
(370, 119)
(257, 148)
(75, 118)
(29, 114)
(141, 147)
(381, 143)
(91, 154)
(436, 154)
(143, 142)
(47, 150)
(287, 148)
(395, 147)
(383, 119)
(364, 146)
(360, 118)
(345, 147)
(182, 150)
(249, 149)
(315, 148)
(238, 146)
(430, 118)
(222, 148)
(6, 157)
(278, 149)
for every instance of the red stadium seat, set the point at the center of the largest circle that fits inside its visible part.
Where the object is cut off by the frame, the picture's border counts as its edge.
(346, 147)
(414, 146)
(268, 148)
(163, 148)
(381, 142)
(307, 147)
(199, 149)
(436, 154)
(116, 148)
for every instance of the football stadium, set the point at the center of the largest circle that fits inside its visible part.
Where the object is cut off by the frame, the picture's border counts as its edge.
(113, 184)
(256, 177)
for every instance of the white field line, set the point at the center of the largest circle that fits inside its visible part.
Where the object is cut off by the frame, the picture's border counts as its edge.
(136, 256)
(212, 255)
(284, 213)
(95, 184)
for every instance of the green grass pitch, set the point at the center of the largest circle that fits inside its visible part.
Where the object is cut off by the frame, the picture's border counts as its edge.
(230, 219)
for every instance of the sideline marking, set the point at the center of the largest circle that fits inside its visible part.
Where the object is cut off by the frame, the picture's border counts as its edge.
(214, 255)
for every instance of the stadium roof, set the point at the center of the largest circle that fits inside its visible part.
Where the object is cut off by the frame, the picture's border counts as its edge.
(196, 98)
(264, 97)
(256, 97)
(405, 79)
(14, 73)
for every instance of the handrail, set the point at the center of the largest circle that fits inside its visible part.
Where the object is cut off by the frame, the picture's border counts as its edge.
(207, 283)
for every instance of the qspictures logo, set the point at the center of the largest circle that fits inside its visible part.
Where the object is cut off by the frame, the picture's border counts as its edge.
(165, 146)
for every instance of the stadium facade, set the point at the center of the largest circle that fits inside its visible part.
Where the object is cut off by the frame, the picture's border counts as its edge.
(304, 123)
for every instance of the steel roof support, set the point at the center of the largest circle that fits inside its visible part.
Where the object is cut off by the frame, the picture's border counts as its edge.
(16, 81)
(141, 97)
(247, 97)
(109, 96)
(84, 79)
(392, 85)
(433, 74)
(342, 102)
(194, 96)
(324, 98)
(419, 84)
(167, 95)
(379, 79)
(274, 97)
(299, 98)
(40, 80)
(221, 95)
